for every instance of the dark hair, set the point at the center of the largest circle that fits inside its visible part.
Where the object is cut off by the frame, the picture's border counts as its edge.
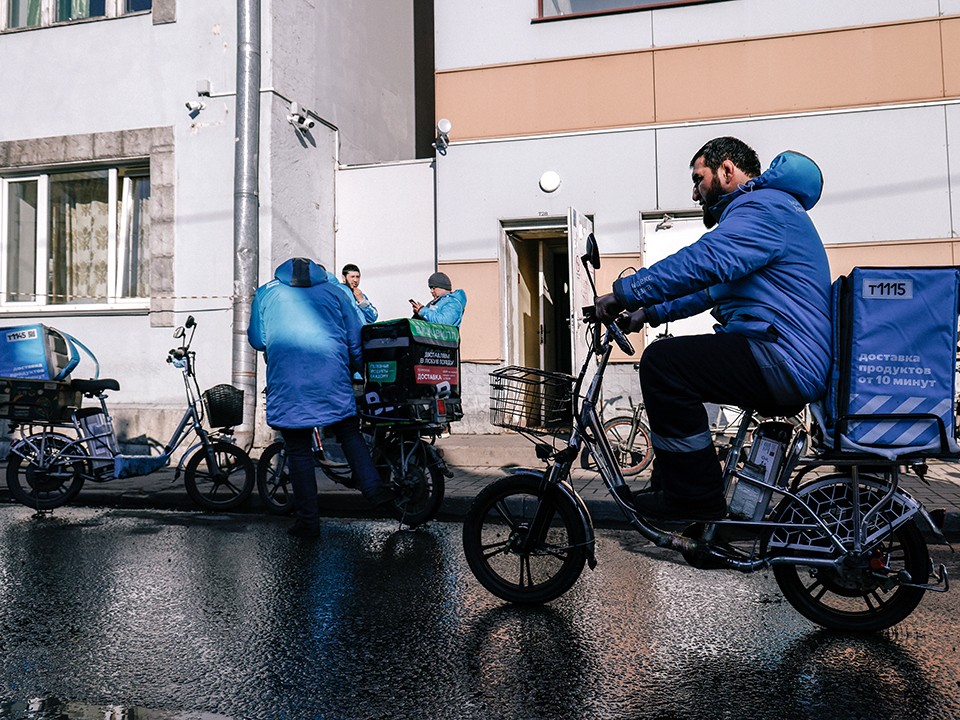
(732, 149)
(349, 267)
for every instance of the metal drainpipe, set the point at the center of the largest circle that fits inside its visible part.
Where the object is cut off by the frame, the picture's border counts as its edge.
(246, 210)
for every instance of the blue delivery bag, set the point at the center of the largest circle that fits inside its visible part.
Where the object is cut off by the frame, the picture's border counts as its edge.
(36, 352)
(892, 386)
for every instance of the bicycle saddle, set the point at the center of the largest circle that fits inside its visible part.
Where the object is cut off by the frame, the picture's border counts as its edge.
(94, 386)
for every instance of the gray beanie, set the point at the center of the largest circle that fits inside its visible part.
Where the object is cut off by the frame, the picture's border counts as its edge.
(439, 280)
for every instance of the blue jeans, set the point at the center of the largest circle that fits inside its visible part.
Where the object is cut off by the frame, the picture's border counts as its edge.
(301, 465)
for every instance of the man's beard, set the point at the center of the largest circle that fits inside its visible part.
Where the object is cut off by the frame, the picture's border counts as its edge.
(709, 200)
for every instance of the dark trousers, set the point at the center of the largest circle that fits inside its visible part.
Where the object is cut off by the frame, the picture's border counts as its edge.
(301, 465)
(678, 375)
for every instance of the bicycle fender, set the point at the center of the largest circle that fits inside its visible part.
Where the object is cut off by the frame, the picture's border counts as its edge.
(566, 490)
(436, 459)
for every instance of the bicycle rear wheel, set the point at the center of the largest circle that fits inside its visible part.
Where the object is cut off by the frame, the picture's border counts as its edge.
(418, 481)
(37, 477)
(863, 593)
(221, 482)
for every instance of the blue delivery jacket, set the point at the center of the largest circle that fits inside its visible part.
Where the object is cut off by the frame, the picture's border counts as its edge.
(762, 271)
(311, 337)
(446, 309)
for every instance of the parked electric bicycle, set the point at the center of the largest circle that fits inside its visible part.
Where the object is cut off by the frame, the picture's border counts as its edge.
(846, 548)
(50, 459)
(403, 453)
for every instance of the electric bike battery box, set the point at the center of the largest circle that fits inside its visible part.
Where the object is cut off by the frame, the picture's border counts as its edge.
(411, 371)
(891, 390)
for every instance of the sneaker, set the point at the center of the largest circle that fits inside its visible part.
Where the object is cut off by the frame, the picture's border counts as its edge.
(301, 530)
(655, 505)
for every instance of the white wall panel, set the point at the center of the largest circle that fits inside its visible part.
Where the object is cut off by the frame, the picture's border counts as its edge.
(953, 157)
(609, 176)
(885, 172)
(385, 226)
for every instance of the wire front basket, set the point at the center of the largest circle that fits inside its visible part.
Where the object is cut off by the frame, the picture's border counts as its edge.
(531, 401)
(224, 406)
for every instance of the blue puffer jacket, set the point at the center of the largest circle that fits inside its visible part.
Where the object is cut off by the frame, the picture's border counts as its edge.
(446, 309)
(310, 332)
(764, 273)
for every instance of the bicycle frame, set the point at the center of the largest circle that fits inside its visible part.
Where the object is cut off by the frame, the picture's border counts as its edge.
(587, 431)
(81, 448)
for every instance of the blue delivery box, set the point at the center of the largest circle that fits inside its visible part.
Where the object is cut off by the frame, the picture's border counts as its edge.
(892, 387)
(36, 352)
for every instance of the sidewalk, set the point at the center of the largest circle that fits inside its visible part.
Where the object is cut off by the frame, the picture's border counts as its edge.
(475, 460)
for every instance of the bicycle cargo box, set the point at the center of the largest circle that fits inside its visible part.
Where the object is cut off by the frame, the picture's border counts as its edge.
(46, 401)
(36, 352)
(892, 384)
(410, 360)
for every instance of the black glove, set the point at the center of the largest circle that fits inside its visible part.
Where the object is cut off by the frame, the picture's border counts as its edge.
(632, 322)
(607, 307)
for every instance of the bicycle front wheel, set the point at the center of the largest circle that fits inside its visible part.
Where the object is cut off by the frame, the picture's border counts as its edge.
(513, 557)
(222, 481)
(273, 480)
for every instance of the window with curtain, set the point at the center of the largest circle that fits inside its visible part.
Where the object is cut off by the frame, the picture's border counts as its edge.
(77, 238)
(23, 13)
(18, 14)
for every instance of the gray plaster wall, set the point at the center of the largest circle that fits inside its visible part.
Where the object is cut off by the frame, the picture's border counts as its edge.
(350, 63)
(501, 31)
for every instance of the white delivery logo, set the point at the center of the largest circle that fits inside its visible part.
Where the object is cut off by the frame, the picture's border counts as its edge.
(18, 335)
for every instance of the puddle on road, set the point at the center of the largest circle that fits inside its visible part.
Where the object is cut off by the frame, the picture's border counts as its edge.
(51, 708)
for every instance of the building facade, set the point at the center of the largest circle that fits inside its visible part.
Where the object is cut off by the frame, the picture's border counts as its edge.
(589, 112)
(117, 136)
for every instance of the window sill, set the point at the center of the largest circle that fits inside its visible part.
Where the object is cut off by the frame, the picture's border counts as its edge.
(40, 311)
(67, 23)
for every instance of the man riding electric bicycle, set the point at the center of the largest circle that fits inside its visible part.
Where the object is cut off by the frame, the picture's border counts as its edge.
(763, 272)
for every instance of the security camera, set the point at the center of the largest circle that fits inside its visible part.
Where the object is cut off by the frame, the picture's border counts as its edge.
(195, 106)
(304, 122)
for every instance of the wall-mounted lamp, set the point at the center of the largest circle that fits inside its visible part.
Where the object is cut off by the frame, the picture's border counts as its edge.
(550, 181)
(299, 117)
(443, 135)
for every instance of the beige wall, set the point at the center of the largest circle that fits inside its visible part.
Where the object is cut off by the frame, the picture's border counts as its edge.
(891, 63)
(911, 253)
(480, 327)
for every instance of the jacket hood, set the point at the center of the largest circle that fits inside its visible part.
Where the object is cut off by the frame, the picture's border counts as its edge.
(459, 295)
(790, 172)
(301, 272)
(793, 173)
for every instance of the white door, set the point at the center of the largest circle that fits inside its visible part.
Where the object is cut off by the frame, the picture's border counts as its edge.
(581, 291)
(662, 237)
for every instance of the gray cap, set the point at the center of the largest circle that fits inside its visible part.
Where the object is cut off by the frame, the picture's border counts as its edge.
(439, 280)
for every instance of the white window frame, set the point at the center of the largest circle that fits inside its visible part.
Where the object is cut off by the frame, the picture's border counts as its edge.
(48, 14)
(41, 302)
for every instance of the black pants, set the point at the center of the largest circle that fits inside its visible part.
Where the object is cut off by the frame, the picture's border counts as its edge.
(302, 468)
(678, 375)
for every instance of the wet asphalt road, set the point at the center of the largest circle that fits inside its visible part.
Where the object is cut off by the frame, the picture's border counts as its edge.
(122, 614)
